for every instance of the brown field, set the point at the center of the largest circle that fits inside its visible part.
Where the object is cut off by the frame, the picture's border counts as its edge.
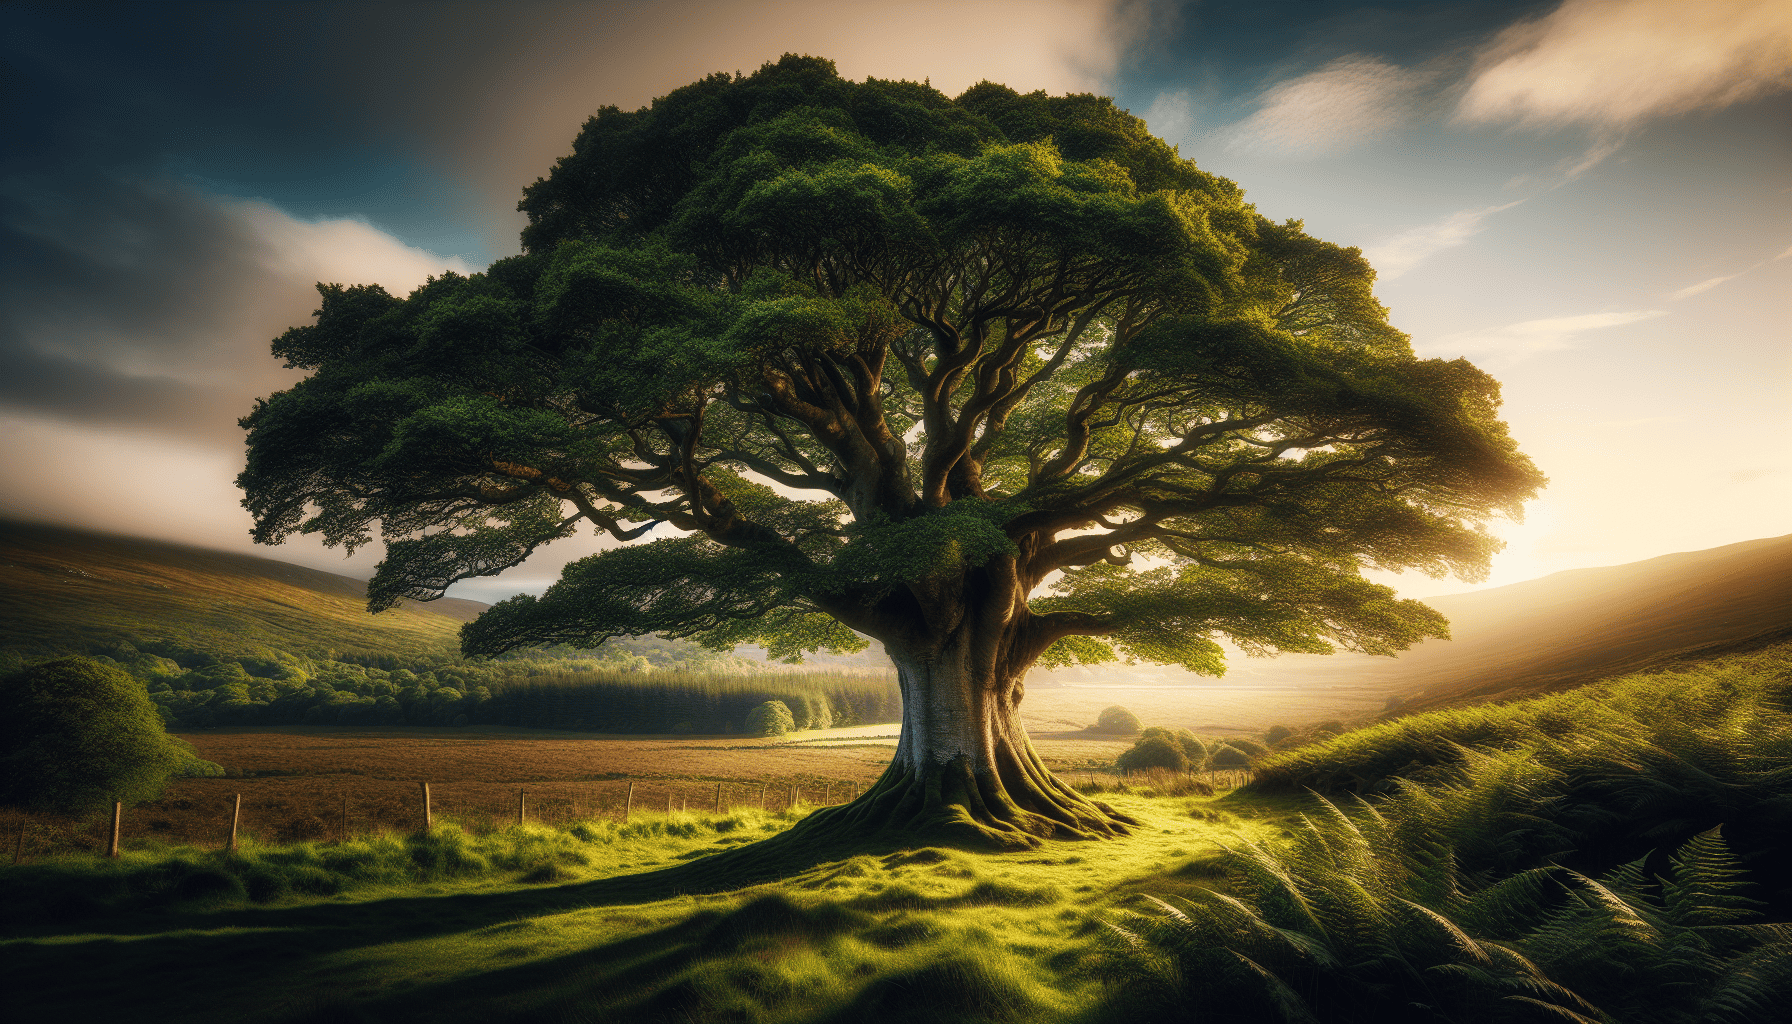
(296, 782)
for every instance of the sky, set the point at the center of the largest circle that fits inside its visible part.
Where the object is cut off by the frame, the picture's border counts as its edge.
(1591, 199)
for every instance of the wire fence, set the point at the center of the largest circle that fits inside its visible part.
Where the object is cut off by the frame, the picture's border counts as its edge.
(205, 812)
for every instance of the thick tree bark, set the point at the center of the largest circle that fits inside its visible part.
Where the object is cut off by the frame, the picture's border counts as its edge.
(965, 773)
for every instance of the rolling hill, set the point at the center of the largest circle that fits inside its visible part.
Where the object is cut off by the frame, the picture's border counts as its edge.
(1569, 628)
(66, 591)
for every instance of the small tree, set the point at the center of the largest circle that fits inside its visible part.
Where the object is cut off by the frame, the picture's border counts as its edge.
(1276, 734)
(77, 735)
(773, 718)
(1117, 720)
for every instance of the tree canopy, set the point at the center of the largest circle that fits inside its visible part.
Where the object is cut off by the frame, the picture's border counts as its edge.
(999, 380)
(853, 339)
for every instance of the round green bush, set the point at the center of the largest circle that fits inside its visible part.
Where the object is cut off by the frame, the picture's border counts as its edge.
(1250, 746)
(1192, 746)
(1154, 752)
(1226, 756)
(772, 718)
(76, 735)
(1276, 734)
(1117, 720)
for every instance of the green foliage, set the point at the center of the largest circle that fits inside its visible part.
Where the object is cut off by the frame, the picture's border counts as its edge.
(1153, 752)
(1276, 734)
(1228, 755)
(770, 719)
(1118, 720)
(1363, 911)
(1176, 750)
(78, 735)
(998, 339)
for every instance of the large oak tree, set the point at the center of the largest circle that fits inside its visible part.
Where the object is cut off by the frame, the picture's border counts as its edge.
(1000, 381)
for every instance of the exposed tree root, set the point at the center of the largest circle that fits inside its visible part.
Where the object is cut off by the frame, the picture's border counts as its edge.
(950, 807)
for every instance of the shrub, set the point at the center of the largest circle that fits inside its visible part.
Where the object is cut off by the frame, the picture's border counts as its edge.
(1153, 752)
(1276, 734)
(77, 735)
(1117, 720)
(771, 718)
(1226, 756)
(1251, 747)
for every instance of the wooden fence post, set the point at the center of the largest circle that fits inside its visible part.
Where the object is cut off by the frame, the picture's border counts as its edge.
(345, 817)
(628, 803)
(718, 798)
(117, 817)
(426, 816)
(668, 803)
(236, 815)
(826, 792)
(793, 797)
(18, 851)
(522, 806)
(762, 798)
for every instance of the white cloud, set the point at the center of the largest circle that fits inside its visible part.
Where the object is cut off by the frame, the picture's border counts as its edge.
(1619, 62)
(1534, 336)
(344, 250)
(150, 305)
(1171, 116)
(1397, 255)
(1349, 101)
(1703, 286)
(1710, 283)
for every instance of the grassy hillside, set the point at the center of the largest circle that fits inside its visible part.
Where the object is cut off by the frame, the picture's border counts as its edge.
(1574, 627)
(66, 591)
(1561, 631)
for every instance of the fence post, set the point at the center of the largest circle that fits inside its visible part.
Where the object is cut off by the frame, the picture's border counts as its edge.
(668, 803)
(628, 803)
(426, 816)
(762, 798)
(345, 817)
(793, 797)
(18, 851)
(718, 798)
(236, 815)
(117, 817)
(522, 806)
(827, 791)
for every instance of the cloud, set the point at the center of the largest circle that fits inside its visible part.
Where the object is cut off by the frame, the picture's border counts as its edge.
(1710, 283)
(1171, 116)
(1535, 336)
(1348, 101)
(1703, 286)
(1617, 63)
(148, 304)
(1402, 252)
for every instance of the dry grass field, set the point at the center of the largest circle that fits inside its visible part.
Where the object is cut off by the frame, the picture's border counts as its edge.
(1224, 709)
(302, 783)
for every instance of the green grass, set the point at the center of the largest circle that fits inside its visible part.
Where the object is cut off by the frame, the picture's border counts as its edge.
(533, 923)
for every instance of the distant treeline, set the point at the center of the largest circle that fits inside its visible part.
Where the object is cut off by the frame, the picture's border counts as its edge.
(195, 690)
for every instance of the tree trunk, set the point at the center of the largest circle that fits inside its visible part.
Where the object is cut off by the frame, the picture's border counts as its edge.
(965, 773)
